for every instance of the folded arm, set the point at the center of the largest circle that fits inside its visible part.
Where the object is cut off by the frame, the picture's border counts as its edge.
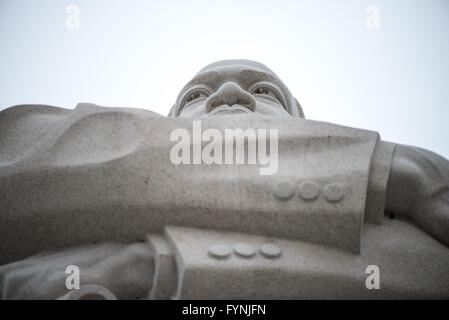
(418, 190)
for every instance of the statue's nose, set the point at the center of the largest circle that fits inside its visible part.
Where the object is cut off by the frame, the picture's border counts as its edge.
(230, 94)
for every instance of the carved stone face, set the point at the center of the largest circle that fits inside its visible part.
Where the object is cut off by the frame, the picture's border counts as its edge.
(235, 87)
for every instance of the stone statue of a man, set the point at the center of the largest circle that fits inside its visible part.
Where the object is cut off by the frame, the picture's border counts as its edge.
(233, 195)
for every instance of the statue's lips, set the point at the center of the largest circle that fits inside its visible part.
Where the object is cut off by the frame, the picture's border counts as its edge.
(225, 109)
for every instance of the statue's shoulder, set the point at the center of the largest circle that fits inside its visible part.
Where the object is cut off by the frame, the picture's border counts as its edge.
(84, 108)
(22, 111)
(29, 131)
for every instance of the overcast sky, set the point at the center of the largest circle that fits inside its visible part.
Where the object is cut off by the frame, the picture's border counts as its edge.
(378, 65)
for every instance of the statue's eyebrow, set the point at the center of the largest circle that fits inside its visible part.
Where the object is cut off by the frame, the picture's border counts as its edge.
(251, 74)
(203, 78)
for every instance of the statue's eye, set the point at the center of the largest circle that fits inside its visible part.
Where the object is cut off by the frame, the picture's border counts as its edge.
(194, 96)
(266, 91)
(190, 98)
(262, 91)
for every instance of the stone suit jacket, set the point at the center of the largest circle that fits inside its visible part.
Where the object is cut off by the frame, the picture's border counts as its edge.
(96, 174)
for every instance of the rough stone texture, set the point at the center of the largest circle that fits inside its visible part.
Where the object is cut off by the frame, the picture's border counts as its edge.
(309, 271)
(379, 173)
(122, 188)
(89, 292)
(95, 187)
(82, 181)
(165, 279)
(124, 269)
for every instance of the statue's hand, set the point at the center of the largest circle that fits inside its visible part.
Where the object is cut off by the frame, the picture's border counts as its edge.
(124, 269)
(418, 190)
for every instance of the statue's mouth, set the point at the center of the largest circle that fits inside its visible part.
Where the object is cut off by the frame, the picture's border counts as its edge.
(225, 110)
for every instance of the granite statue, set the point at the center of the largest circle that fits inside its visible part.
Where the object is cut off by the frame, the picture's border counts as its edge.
(97, 188)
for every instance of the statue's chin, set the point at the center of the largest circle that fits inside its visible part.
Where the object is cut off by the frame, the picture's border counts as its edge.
(226, 110)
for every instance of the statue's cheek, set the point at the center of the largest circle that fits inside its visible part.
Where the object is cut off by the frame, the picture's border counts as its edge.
(267, 106)
(197, 109)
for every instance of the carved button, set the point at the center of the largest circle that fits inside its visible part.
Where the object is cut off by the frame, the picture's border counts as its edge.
(244, 250)
(284, 190)
(219, 251)
(334, 192)
(270, 250)
(308, 190)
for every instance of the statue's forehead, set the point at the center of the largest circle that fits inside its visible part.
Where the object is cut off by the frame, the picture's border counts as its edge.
(237, 63)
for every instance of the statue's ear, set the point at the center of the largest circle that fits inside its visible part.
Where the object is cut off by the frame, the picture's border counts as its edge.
(300, 111)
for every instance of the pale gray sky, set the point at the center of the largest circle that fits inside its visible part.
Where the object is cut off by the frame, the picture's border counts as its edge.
(393, 79)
